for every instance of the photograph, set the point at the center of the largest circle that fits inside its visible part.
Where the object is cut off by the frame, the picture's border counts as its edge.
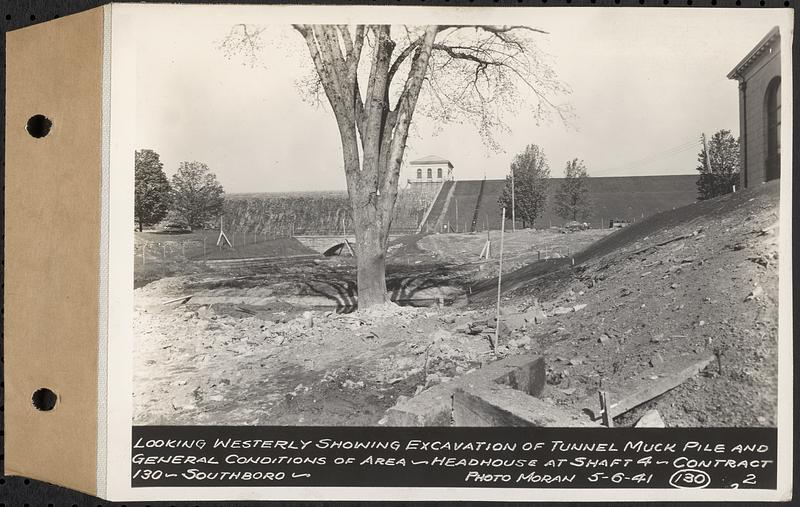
(569, 221)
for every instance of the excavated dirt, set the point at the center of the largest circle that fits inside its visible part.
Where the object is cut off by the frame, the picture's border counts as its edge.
(667, 292)
(282, 345)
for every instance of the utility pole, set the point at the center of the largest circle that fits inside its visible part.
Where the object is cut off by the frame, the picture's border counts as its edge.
(499, 285)
(513, 204)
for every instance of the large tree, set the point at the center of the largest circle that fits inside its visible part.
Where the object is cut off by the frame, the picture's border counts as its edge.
(151, 189)
(719, 168)
(531, 179)
(572, 197)
(373, 77)
(197, 196)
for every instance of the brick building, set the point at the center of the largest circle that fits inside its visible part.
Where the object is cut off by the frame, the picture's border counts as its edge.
(759, 76)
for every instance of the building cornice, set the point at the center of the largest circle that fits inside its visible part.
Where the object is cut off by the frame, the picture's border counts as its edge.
(754, 54)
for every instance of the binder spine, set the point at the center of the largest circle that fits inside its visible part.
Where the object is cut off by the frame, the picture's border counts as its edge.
(52, 293)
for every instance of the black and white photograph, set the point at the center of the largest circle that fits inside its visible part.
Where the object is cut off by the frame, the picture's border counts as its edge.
(568, 222)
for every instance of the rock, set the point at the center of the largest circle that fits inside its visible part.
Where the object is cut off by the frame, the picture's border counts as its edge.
(308, 319)
(449, 319)
(432, 379)
(579, 307)
(603, 338)
(575, 361)
(524, 341)
(189, 315)
(755, 293)
(656, 359)
(349, 384)
(674, 286)
(560, 310)
(651, 419)
(657, 338)
(442, 335)
(569, 391)
(216, 397)
(477, 327)
(279, 340)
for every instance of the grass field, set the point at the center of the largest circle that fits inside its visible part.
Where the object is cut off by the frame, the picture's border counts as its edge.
(151, 246)
(159, 254)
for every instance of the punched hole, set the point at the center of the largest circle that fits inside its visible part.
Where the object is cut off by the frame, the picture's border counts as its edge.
(44, 399)
(39, 125)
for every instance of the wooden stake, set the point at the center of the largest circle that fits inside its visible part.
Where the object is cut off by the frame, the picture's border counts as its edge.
(485, 250)
(605, 407)
(499, 283)
(350, 248)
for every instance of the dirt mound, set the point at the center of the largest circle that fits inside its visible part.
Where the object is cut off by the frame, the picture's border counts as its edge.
(693, 282)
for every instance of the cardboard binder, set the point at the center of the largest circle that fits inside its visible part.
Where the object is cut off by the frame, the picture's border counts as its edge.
(53, 250)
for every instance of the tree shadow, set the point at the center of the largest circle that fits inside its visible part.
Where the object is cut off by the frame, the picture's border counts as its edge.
(343, 294)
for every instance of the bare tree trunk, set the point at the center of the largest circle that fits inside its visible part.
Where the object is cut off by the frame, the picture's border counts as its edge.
(372, 175)
(370, 262)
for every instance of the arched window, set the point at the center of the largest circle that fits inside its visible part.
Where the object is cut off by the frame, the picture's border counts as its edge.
(430, 173)
(439, 173)
(419, 174)
(773, 107)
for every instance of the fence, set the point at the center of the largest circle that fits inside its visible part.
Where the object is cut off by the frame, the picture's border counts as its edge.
(205, 247)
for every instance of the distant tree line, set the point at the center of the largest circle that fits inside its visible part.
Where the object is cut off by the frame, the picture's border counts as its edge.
(193, 197)
(531, 180)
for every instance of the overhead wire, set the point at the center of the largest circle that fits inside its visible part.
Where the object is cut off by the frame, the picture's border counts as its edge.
(668, 153)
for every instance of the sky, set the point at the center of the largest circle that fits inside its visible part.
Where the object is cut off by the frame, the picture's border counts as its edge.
(645, 84)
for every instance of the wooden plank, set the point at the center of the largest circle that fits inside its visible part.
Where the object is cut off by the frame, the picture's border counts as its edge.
(657, 388)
